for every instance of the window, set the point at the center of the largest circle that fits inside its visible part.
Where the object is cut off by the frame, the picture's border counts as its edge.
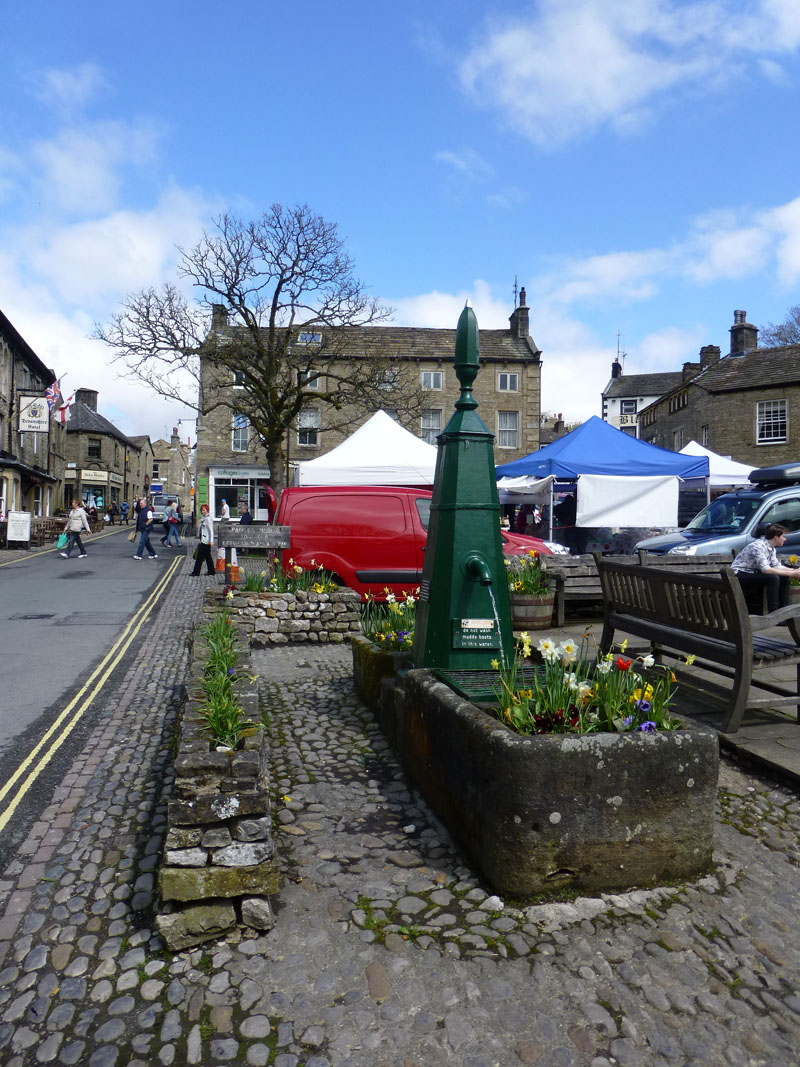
(432, 379)
(308, 427)
(770, 422)
(240, 433)
(155, 470)
(627, 407)
(238, 379)
(93, 447)
(704, 436)
(508, 429)
(507, 383)
(311, 380)
(308, 337)
(431, 424)
(629, 430)
(677, 440)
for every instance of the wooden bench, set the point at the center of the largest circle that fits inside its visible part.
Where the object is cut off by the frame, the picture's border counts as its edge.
(576, 581)
(703, 616)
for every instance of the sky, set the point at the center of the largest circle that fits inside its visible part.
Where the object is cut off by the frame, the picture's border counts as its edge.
(634, 164)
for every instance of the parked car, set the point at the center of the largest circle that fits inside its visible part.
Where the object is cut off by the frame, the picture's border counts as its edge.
(734, 519)
(161, 502)
(372, 537)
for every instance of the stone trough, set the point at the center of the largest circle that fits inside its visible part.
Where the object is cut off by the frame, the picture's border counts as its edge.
(551, 812)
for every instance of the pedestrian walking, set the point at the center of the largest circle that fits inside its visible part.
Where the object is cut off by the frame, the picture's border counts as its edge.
(245, 518)
(206, 533)
(77, 520)
(171, 523)
(144, 520)
(123, 514)
(225, 511)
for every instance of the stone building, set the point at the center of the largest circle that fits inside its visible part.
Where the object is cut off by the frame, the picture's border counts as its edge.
(232, 464)
(745, 405)
(172, 466)
(626, 395)
(31, 461)
(103, 465)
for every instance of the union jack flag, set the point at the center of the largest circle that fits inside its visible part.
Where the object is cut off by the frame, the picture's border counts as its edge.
(52, 395)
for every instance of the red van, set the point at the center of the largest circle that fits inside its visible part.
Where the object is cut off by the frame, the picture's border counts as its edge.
(372, 536)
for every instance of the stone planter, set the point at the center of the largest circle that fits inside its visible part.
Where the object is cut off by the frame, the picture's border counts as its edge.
(552, 812)
(531, 611)
(371, 665)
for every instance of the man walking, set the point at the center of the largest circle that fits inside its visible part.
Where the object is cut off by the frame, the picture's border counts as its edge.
(171, 523)
(144, 520)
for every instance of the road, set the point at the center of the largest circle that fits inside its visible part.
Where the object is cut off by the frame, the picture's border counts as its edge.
(65, 626)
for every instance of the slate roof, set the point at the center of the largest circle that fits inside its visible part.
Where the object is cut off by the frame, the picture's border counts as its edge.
(422, 343)
(757, 369)
(83, 419)
(644, 384)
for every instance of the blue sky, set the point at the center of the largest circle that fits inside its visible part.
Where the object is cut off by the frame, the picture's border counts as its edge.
(633, 164)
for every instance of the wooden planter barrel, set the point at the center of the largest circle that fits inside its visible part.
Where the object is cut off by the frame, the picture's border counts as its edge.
(531, 611)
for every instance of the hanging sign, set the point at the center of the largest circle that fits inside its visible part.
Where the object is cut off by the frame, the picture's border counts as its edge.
(34, 414)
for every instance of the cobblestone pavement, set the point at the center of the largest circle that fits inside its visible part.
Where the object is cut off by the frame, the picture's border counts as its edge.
(387, 951)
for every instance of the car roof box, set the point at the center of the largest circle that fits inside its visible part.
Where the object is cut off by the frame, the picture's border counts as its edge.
(780, 474)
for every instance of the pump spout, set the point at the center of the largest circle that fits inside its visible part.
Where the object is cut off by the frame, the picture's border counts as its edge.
(476, 568)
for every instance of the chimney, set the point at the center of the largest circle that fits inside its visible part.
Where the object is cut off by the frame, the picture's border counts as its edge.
(175, 440)
(690, 370)
(616, 368)
(520, 323)
(87, 397)
(558, 425)
(219, 316)
(744, 336)
(709, 355)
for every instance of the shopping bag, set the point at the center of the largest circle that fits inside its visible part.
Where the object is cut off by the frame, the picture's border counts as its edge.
(62, 541)
(132, 535)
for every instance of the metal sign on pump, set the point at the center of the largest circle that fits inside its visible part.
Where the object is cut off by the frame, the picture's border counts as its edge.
(463, 616)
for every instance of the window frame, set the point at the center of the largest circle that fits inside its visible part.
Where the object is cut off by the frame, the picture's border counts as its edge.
(305, 431)
(501, 430)
(762, 422)
(91, 452)
(507, 388)
(429, 433)
(432, 375)
(240, 423)
(309, 337)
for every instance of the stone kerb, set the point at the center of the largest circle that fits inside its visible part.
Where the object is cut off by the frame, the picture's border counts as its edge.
(218, 866)
(292, 618)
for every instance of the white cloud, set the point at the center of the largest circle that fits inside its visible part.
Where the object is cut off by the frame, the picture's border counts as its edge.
(573, 66)
(70, 88)
(466, 164)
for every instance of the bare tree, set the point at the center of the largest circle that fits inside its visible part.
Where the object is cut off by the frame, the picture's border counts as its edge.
(784, 333)
(279, 309)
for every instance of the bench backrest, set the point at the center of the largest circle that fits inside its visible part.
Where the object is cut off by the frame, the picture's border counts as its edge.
(712, 605)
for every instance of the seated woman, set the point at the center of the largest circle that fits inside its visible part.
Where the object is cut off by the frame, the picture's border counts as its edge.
(758, 568)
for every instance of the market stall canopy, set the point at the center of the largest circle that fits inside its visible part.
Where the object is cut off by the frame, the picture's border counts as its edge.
(722, 469)
(524, 490)
(605, 500)
(380, 452)
(597, 448)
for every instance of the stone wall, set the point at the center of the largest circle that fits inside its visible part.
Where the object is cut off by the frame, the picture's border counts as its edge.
(292, 618)
(218, 867)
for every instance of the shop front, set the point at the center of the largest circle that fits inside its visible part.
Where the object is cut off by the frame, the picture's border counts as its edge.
(94, 488)
(237, 485)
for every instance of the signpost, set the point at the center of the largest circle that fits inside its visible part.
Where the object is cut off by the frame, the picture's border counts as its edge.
(19, 526)
(231, 535)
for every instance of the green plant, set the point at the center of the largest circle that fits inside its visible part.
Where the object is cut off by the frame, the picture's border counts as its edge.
(220, 707)
(313, 579)
(570, 693)
(525, 574)
(390, 624)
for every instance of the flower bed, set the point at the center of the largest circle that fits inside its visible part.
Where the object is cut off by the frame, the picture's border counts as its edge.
(218, 866)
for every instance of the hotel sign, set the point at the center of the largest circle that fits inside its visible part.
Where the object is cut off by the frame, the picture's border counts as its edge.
(34, 414)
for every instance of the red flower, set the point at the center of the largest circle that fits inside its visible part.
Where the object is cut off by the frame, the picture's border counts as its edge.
(622, 664)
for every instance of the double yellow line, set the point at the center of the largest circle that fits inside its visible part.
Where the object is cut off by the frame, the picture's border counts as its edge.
(38, 758)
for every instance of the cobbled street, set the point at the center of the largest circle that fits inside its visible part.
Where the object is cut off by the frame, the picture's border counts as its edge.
(387, 951)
